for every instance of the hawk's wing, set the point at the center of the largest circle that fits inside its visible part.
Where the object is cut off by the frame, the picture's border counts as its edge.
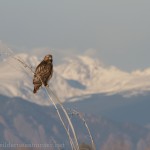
(44, 71)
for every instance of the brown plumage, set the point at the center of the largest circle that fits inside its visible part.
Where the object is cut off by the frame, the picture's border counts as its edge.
(43, 73)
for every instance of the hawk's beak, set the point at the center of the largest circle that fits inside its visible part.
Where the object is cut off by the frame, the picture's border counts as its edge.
(50, 58)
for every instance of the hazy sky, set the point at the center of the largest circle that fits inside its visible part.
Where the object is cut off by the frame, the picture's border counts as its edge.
(117, 30)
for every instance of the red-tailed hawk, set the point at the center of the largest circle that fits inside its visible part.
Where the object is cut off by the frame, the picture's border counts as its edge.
(43, 73)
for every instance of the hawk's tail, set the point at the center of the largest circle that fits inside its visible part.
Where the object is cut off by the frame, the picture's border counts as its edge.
(36, 87)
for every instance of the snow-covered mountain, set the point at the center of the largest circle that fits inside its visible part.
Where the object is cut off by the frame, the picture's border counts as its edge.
(98, 78)
(76, 76)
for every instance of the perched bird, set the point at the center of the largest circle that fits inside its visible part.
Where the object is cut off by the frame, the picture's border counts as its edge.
(43, 73)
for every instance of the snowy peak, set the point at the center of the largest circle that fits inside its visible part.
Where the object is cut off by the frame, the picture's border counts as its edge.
(78, 68)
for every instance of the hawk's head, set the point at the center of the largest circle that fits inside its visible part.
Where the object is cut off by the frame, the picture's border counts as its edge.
(48, 58)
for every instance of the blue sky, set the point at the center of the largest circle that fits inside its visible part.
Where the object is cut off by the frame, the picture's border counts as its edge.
(118, 32)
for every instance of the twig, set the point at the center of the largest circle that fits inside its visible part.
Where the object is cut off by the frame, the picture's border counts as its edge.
(75, 112)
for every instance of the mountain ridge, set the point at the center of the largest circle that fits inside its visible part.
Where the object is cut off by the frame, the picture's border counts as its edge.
(77, 76)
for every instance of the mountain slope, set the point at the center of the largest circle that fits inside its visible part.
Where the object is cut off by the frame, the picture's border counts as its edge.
(133, 109)
(25, 122)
